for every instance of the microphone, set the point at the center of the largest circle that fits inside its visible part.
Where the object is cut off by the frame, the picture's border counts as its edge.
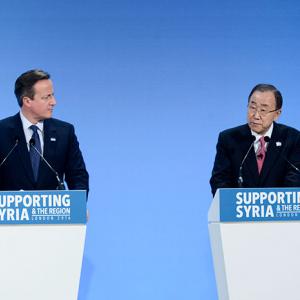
(240, 178)
(61, 185)
(10, 152)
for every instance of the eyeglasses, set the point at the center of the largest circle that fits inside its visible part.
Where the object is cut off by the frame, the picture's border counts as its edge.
(261, 111)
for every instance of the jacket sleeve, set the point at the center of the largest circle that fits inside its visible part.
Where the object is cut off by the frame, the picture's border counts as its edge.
(222, 173)
(76, 174)
(292, 160)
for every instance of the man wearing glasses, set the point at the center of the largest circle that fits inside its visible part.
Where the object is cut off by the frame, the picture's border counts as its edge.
(38, 152)
(261, 153)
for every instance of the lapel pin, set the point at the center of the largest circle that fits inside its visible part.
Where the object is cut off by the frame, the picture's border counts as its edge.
(278, 144)
(53, 139)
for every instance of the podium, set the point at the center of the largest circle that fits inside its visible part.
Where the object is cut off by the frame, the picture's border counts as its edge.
(42, 236)
(255, 242)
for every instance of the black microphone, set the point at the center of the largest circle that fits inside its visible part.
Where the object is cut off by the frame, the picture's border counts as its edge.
(61, 185)
(240, 178)
(10, 151)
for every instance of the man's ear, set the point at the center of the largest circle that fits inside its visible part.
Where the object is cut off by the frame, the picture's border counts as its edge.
(278, 113)
(26, 101)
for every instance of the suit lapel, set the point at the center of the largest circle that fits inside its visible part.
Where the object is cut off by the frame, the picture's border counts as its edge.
(250, 163)
(49, 148)
(22, 149)
(273, 153)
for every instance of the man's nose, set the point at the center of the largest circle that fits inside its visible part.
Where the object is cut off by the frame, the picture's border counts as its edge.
(53, 101)
(256, 115)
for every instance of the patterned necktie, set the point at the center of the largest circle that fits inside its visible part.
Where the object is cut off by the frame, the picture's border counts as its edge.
(34, 156)
(261, 154)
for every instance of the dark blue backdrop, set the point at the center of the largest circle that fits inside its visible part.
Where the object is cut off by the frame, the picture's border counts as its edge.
(148, 85)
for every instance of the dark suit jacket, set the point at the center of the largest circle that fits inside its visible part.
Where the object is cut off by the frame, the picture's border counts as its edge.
(234, 143)
(61, 150)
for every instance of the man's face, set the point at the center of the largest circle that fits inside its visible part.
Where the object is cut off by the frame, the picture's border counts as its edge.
(43, 102)
(262, 111)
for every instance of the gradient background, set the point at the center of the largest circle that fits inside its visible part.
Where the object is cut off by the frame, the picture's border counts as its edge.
(148, 85)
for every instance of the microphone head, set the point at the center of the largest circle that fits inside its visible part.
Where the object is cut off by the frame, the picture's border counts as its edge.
(253, 138)
(31, 142)
(267, 139)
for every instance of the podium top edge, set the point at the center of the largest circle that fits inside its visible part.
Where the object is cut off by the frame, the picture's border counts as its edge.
(44, 191)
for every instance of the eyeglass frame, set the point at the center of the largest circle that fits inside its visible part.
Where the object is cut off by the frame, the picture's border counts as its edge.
(259, 111)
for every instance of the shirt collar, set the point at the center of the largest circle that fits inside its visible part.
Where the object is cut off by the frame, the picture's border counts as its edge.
(268, 133)
(26, 123)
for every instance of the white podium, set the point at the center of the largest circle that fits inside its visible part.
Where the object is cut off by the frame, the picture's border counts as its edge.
(255, 242)
(42, 236)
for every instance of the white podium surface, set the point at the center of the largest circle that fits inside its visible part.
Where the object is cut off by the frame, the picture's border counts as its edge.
(43, 260)
(256, 258)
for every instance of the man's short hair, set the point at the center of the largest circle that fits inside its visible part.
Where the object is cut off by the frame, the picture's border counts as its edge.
(25, 82)
(262, 87)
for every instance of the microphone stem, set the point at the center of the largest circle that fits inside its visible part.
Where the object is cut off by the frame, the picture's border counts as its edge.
(7, 156)
(61, 185)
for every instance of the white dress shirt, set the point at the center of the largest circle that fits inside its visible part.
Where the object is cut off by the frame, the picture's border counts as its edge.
(258, 136)
(28, 131)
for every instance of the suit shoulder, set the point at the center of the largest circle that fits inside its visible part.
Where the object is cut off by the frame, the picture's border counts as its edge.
(9, 121)
(238, 130)
(58, 123)
(284, 129)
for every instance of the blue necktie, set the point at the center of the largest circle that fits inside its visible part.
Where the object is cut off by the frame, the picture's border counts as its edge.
(34, 156)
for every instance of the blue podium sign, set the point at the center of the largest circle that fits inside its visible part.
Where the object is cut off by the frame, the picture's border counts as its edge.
(43, 207)
(266, 204)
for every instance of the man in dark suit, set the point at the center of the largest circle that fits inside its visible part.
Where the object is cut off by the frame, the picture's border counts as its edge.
(32, 132)
(261, 153)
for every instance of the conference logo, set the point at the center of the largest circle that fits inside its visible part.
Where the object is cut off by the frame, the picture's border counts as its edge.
(43, 207)
(267, 205)
(237, 205)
